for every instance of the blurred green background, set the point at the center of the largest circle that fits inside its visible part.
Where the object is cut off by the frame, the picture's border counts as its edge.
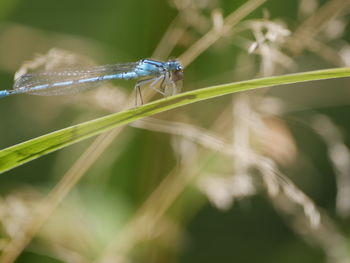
(253, 229)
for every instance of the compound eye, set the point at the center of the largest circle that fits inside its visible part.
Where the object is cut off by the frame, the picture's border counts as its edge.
(178, 75)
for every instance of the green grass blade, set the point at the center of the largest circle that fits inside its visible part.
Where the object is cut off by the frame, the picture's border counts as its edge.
(24, 152)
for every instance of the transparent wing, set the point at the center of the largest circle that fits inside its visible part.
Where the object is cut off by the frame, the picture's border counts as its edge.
(67, 81)
(54, 59)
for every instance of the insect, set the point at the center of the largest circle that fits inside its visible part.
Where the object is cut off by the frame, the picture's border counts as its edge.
(161, 76)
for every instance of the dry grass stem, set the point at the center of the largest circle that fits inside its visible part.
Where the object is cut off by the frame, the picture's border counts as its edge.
(313, 25)
(213, 35)
(339, 155)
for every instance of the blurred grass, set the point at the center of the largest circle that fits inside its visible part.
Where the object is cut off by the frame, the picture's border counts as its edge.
(115, 31)
(6, 6)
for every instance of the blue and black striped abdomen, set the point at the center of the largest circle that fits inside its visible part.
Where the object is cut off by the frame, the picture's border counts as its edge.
(68, 81)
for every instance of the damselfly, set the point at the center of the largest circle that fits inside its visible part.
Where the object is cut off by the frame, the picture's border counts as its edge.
(161, 76)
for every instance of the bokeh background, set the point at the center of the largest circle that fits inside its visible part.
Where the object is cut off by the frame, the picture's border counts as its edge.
(261, 176)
